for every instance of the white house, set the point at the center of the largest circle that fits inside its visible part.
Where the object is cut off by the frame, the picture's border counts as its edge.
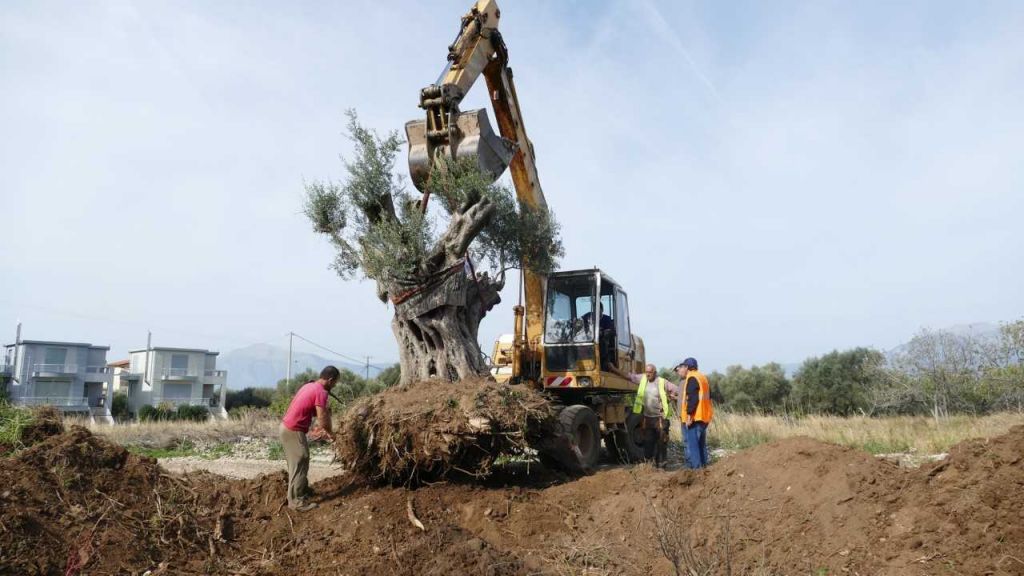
(71, 376)
(174, 377)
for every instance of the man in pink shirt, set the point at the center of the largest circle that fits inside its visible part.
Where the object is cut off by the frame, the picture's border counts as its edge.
(311, 400)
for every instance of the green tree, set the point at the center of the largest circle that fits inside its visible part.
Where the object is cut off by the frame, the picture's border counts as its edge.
(839, 382)
(252, 397)
(762, 389)
(287, 388)
(390, 376)
(440, 293)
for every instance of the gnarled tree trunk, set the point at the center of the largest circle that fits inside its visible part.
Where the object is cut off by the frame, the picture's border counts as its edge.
(438, 310)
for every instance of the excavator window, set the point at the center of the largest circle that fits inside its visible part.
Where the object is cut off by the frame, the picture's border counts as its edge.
(570, 305)
(622, 319)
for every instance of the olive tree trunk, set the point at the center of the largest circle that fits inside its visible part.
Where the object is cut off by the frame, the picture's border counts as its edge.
(438, 311)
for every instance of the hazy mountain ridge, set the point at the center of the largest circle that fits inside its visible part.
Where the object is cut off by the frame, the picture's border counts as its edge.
(262, 365)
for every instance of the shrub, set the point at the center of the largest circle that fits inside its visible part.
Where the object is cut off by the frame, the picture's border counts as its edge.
(192, 413)
(156, 414)
(119, 407)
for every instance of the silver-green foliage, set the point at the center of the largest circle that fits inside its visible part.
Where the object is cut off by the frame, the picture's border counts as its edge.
(378, 227)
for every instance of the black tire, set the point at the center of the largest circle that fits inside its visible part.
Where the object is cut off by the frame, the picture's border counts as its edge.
(627, 445)
(580, 448)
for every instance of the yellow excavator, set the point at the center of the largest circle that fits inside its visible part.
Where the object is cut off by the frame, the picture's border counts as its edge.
(571, 328)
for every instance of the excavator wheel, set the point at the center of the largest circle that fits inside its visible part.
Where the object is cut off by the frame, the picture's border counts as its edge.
(626, 446)
(578, 448)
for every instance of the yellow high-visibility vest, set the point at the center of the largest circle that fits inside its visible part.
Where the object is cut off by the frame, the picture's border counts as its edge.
(638, 403)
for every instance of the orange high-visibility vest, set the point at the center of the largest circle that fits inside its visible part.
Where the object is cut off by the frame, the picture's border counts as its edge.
(704, 410)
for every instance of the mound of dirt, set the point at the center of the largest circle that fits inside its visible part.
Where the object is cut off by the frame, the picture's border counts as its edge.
(46, 421)
(427, 430)
(74, 500)
(75, 504)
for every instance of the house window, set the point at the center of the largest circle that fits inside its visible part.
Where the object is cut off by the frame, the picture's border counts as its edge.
(55, 356)
(179, 364)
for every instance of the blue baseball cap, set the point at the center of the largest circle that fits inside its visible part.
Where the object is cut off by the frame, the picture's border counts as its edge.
(689, 363)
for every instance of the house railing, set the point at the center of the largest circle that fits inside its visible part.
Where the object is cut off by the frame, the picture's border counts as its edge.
(157, 401)
(56, 368)
(56, 401)
(216, 373)
(97, 370)
(178, 373)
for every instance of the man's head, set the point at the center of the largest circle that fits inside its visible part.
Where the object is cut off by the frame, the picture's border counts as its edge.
(329, 377)
(685, 366)
(651, 371)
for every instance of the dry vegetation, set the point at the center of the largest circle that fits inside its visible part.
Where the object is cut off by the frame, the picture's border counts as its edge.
(896, 434)
(255, 424)
(916, 434)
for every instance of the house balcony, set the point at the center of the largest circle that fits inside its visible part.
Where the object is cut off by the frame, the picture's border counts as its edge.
(175, 402)
(215, 377)
(98, 374)
(54, 370)
(62, 402)
(179, 375)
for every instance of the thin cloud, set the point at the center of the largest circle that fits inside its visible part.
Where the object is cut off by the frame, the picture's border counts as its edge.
(664, 31)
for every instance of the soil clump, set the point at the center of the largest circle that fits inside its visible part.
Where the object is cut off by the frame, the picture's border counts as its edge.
(428, 430)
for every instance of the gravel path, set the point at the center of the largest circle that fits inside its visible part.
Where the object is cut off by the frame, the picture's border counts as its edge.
(319, 467)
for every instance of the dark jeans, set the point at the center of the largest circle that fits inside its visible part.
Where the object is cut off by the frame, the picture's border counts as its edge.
(655, 437)
(696, 445)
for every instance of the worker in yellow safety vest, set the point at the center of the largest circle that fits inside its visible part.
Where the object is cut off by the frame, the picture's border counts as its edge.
(695, 412)
(655, 397)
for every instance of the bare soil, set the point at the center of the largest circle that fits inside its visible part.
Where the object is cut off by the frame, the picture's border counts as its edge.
(77, 504)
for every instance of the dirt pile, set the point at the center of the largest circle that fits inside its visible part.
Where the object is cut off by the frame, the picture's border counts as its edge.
(427, 430)
(791, 507)
(74, 500)
(39, 424)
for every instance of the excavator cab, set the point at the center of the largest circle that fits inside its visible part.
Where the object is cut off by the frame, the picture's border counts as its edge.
(586, 332)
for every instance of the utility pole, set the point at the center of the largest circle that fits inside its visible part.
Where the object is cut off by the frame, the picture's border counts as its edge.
(368, 367)
(145, 372)
(288, 382)
(17, 344)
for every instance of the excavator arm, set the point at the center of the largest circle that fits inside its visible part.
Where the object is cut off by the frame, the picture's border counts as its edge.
(479, 49)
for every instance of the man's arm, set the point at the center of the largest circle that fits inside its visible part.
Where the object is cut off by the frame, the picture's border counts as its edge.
(323, 416)
(672, 390)
(615, 370)
(692, 396)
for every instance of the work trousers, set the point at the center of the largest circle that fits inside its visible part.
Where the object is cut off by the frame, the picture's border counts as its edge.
(655, 439)
(296, 453)
(696, 444)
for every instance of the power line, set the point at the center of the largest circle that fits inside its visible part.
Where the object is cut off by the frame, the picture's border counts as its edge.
(360, 361)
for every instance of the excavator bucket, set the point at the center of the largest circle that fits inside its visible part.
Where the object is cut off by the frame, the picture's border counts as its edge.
(472, 138)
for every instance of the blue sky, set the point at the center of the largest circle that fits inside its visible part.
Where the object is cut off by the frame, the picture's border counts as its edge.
(769, 181)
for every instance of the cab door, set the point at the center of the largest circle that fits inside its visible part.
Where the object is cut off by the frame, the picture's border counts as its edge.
(623, 335)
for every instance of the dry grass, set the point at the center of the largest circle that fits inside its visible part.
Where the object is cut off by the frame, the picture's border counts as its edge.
(898, 434)
(168, 434)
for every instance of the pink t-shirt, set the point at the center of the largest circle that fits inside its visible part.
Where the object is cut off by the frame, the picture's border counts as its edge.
(303, 407)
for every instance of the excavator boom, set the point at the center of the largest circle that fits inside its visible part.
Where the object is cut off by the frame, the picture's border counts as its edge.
(479, 49)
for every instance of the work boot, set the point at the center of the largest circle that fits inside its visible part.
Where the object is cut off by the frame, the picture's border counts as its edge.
(304, 506)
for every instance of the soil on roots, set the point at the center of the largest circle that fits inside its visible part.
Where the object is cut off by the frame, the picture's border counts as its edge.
(429, 430)
(75, 504)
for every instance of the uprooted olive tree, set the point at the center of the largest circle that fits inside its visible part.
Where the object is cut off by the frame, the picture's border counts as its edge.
(441, 266)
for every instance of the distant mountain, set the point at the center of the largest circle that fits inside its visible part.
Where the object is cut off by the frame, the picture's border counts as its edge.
(262, 365)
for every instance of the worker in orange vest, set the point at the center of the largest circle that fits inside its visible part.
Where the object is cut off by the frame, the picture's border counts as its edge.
(695, 412)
